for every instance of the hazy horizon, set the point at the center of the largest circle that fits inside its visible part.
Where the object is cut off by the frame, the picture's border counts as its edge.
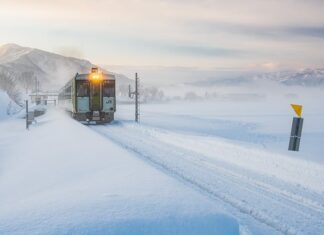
(256, 35)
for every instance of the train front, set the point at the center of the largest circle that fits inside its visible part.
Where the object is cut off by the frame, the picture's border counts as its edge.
(95, 97)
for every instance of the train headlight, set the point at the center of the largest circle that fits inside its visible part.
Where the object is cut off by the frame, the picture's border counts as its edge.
(95, 77)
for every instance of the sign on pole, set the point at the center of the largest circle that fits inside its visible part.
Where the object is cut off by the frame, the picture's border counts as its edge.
(298, 109)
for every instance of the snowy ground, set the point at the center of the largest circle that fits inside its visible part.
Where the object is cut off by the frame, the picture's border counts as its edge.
(62, 178)
(241, 160)
(187, 168)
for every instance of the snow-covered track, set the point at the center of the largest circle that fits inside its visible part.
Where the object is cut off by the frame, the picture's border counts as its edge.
(288, 208)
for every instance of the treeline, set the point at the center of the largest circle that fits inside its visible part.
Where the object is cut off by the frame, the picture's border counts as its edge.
(8, 83)
(16, 84)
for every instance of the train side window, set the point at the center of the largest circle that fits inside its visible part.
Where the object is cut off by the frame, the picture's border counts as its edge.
(109, 89)
(82, 89)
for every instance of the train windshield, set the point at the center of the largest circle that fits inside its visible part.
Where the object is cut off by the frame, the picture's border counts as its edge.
(82, 88)
(108, 88)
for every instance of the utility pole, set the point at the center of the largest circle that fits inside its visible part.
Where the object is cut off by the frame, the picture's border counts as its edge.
(135, 94)
(37, 86)
(27, 126)
(136, 99)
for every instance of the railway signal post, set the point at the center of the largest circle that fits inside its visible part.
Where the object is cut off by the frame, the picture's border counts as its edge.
(296, 129)
(135, 94)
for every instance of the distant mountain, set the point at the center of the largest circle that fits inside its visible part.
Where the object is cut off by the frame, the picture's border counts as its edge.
(20, 66)
(305, 78)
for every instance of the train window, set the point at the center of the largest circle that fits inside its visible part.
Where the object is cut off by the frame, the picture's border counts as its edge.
(82, 88)
(109, 89)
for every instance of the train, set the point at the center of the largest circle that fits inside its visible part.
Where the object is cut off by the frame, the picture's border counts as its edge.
(90, 98)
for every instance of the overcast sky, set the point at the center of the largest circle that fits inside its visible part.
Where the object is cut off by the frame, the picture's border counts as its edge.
(245, 34)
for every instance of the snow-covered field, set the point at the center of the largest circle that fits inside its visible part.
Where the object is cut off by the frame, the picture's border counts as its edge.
(187, 168)
(62, 178)
(237, 153)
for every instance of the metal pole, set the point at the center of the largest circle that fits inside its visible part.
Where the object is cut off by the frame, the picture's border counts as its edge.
(36, 86)
(27, 115)
(296, 131)
(36, 99)
(136, 97)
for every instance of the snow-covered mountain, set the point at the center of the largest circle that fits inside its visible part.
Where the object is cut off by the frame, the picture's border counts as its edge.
(49, 68)
(22, 65)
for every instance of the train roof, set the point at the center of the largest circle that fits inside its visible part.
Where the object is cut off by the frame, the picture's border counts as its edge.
(106, 76)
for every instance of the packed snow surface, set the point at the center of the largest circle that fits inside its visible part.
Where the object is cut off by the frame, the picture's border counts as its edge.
(240, 160)
(186, 168)
(60, 177)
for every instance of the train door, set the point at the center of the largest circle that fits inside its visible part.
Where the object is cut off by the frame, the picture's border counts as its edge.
(108, 93)
(95, 94)
(82, 94)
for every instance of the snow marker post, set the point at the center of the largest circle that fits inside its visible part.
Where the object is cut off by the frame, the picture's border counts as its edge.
(296, 129)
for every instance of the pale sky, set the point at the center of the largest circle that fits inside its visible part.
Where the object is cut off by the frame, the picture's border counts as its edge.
(248, 34)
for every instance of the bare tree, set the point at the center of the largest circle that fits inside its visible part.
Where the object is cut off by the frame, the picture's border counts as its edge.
(152, 94)
(27, 79)
(192, 96)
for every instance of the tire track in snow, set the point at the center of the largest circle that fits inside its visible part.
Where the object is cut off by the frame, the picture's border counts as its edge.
(281, 211)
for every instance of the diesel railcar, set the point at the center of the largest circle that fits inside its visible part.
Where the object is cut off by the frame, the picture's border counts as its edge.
(90, 98)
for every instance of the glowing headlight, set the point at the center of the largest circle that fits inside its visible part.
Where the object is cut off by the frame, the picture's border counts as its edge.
(95, 76)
